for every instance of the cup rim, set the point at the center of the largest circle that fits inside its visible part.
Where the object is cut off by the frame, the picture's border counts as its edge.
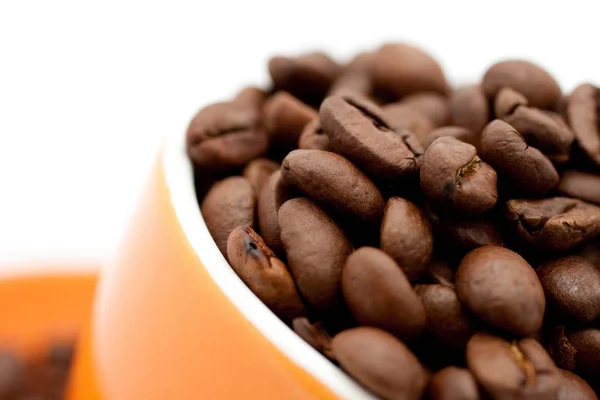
(180, 183)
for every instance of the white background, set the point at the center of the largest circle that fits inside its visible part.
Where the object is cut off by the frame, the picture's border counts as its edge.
(88, 90)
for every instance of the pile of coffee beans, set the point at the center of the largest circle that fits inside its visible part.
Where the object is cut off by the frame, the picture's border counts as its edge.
(43, 378)
(433, 241)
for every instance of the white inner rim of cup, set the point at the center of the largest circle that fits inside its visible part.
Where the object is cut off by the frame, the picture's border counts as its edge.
(180, 181)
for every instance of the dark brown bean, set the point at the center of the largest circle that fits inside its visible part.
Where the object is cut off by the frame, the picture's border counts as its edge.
(583, 114)
(272, 196)
(586, 343)
(453, 383)
(316, 250)
(332, 180)
(358, 131)
(313, 334)
(355, 79)
(554, 224)
(307, 77)
(432, 105)
(378, 294)
(400, 69)
(507, 101)
(537, 85)
(313, 137)
(265, 274)
(285, 117)
(581, 185)
(406, 236)
(512, 370)
(402, 116)
(524, 167)
(454, 176)
(573, 387)
(502, 289)
(381, 363)
(225, 136)
(252, 97)
(258, 171)
(469, 108)
(229, 203)
(591, 252)
(439, 272)
(572, 288)
(458, 132)
(448, 322)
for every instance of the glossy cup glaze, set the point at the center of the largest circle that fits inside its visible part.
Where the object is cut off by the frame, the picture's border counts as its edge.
(172, 320)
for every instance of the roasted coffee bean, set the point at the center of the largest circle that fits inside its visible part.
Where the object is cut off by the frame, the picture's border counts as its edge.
(400, 69)
(440, 272)
(586, 345)
(251, 96)
(453, 383)
(258, 171)
(358, 131)
(307, 77)
(454, 176)
(526, 168)
(313, 334)
(316, 250)
(378, 294)
(583, 114)
(332, 180)
(448, 322)
(225, 136)
(463, 134)
(512, 370)
(263, 273)
(355, 79)
(313, 137)
(554, 224)
(591, 252)
(406, 236)
(537, 85)
(581, 185)
(432, 105)
(573, 387)
(229, 203)
(572, 288)
(273, 194)
(10, 374)
(285, 117)
(560, 349)
(507, 101)
(469, 108)
(402, 117)
(502, 289)
(381, 363)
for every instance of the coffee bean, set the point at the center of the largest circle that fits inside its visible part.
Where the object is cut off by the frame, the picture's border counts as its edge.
(378, 294)
(229, 203)
(586, 343)
(583, 113)
(512, 370)
(406, 236)
(313, 334)
(507, 101)
(581, 185)
(573, 387)
(225, 136)
(572, 288)
(524, 167)
(252, 97)
(358, 131)
(432, 105)
(469, 108)
(463, 134)
(554, 224)
(258, 171)
(502, 289)
(355, 79)
(453, 383)
(285, 117)
(313, 137)
(400, 69)
(402, 117)
(307, 77)
(537, 85)
(560, 349)
(440, 272)
(381, 363)
(454, 176)
(263, 273)
(10, 374)
(332, 180)
(316, 250)
(448, 322)
(591, 252)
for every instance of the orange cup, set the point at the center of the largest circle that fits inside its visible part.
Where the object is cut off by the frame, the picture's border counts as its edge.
(172, 321)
